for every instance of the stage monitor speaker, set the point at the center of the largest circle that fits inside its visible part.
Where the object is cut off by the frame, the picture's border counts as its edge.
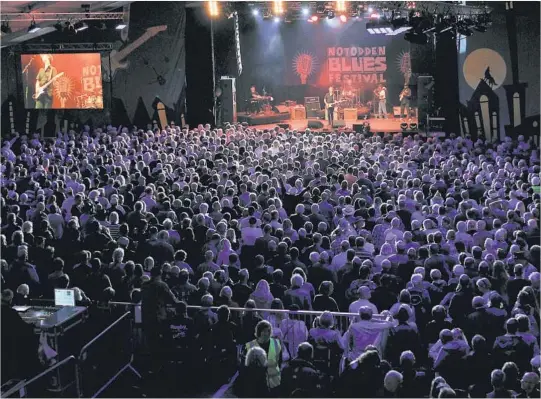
(229, 100)
(284, 125)
(315, 125)
(358, 127)
(339, 123)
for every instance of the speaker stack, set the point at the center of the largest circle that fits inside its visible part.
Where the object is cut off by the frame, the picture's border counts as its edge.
(229, 100)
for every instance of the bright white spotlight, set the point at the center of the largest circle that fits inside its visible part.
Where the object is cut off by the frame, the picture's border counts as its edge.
(305, 11)
(276, 19)
(255, 11)
(370, 9)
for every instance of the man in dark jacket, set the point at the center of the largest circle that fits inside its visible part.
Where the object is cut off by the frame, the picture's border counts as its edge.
(155, 296)
(300, 378)
(403, 337)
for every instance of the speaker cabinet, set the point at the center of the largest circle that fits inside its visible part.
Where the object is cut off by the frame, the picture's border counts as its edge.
(338, 123)
(350, 113)
(315, 125)
(229, 100)
(313, 106)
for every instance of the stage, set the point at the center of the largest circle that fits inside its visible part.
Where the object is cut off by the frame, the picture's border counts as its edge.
(389, 125)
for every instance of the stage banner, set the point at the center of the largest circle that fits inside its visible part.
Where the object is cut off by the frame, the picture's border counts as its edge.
(294, 60)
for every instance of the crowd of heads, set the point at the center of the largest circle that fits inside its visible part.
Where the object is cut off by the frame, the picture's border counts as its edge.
(443, 234)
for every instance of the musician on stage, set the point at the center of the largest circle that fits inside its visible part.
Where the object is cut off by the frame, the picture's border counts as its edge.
(45, 75)
(405, 97)
(329, 101)
(381, 95)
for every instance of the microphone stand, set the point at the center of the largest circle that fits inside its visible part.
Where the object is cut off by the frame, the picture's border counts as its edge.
(25, 72)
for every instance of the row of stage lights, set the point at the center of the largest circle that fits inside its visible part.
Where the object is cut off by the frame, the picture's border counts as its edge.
(323, 11)
(66, 27)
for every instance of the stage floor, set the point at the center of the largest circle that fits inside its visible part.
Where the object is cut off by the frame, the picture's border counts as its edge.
(376, 125)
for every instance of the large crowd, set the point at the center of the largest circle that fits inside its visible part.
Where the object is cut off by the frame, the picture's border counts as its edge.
(431, 245)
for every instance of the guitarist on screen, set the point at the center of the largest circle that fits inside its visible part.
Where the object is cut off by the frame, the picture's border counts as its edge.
(330, 100)
(44, 78)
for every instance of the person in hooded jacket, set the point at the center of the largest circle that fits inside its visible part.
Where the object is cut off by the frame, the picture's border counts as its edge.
(449, 362)
(300, 377)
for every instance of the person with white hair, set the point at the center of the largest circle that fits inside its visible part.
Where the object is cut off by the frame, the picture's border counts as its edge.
(295, 295)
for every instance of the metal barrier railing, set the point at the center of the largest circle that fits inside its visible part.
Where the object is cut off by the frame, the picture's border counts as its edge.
(58, 380)
(105, 358)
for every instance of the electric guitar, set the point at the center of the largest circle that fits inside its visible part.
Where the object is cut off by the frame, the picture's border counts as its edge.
(330, 105)
(42, 89)
(116, 57)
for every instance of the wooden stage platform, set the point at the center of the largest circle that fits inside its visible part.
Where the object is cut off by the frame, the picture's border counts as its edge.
(376, 125)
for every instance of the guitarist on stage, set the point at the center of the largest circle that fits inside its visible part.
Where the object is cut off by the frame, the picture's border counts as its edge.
(45, 75)
(330, 100)
(405, 97)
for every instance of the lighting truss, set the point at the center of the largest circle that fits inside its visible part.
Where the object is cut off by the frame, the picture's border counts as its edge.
(49, 16)
(63, 47)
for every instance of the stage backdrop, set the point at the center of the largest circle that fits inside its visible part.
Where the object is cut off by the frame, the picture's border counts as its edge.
(491, 50)
(292, 61)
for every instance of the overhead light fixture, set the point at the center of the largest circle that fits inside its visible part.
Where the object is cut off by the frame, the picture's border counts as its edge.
(464, 29)
(255, 12)
(120, 26)
(320, 9)
(416, 37)
(33, 28)
(80, 26)
(5, 27)
(276, 19)
(213, 8)
(305, 11)
(313, 18)
(343, 18)
(330, 14)
(370, 9)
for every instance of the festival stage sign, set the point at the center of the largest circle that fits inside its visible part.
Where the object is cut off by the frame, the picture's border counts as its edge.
(356, 65)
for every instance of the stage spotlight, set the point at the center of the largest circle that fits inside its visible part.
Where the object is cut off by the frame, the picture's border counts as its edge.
(404, 126)
(413, 126)
(416, 38)
(276, 19)
(5, 27)
(370, 9)
(255, 12)
(330, 14)
(80, 26)
(343, 18)
(33, 28)
(320, 9)
(305, 11)
(314, 18)
(480, 28)
(213, 8)
(120, 26)
(267, 14)
(464, 29)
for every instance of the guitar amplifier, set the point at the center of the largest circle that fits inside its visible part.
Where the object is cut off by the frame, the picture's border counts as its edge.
(396, 112)
(350, 113)
(312, 106)
(297, 112)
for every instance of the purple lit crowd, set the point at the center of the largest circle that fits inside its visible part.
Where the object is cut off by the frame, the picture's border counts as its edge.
(436, 239)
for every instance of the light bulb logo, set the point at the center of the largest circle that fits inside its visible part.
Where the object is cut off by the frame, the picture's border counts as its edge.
(63, 87)
(404, 63)
(304, 65)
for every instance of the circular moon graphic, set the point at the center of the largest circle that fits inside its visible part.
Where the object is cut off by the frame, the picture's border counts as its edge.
(478, 61)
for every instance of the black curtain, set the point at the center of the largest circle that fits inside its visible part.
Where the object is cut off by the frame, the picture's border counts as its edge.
(446, 80)
(199, 90)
